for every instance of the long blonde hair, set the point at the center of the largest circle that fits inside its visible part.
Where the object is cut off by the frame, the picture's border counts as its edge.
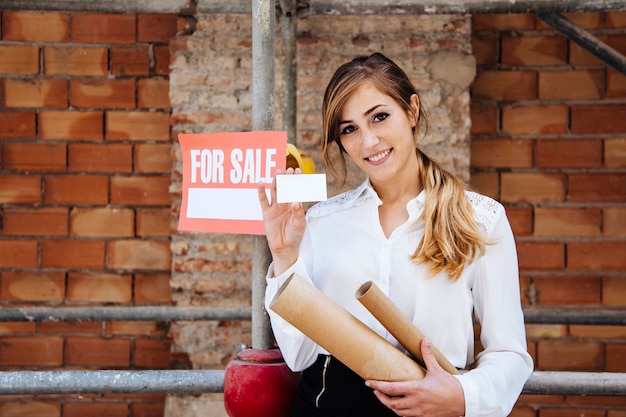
(452, 238)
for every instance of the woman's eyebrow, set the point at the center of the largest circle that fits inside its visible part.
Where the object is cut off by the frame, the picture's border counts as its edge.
(367, 113)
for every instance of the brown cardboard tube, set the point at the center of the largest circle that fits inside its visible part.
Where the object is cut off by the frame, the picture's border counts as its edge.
(390, 316)
(344, 336)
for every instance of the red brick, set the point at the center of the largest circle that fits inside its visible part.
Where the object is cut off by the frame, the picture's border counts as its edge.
(20, 189)
(130, 60)
(596, 256)
(613, 223)
(597, 187)
(69, 125)
(140, 190)
(484, 119)
(102, 222)
(33, 157)
(158, 410)
(569, 290)
(535, 119)
(76, 189)
(19, 59)
(31, 351)
(99, 288)
(154, 93)
(97, 352)
(74, 328)
(95, 409)
(606, 118)
(17, 124)
(592, 331)
(135, 125)
(534, 50)
(485, 49)
(156, 27)
(75, 60)
(614, 291)
(493, 153)
(569, 355)
(153, 222)
(521, 220)
(541, 255)
(104, 28)
(615, 153)
(18, 253)
(589, 20)
(505, 85)
(615, 19)
(513, 21)
(35, 93)
(152, 288)
(152, 354)
(532, 187)
(563, 153)
(571, 85)
(103, 158)
(571, 411)
(615, 357)
(139, 254)
(615, 84)
(584, 221)
(161, 59)
(33, 286)
(486, 183)
(134, 328)
(41, 221)
(27, 26)
(153, 158)
(30, 408)
(72, 254)
(103, 93)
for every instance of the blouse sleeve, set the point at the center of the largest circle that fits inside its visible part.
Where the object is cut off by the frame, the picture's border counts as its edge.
(298, 351)
(492, 388)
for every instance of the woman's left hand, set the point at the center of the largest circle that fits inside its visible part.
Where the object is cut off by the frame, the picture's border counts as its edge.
(438, 394)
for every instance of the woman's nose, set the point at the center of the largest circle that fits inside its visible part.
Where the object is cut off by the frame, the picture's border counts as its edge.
(370, 138)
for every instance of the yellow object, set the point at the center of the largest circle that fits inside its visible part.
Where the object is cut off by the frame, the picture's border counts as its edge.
(297, 159)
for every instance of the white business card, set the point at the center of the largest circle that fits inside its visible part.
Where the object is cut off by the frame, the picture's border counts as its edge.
(300, 188)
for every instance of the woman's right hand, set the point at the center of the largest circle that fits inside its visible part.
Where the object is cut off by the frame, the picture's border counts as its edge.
(284, 225)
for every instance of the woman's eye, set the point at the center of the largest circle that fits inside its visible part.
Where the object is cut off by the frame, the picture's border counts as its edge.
(380, 117)
(347, 130)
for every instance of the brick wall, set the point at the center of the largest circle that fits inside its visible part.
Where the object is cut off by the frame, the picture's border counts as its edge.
(85, 207)
(548, 140)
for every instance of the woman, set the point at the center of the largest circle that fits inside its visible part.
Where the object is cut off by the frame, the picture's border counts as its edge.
(442, 254)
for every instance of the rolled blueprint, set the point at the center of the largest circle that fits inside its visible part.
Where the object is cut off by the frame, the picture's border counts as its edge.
(392, 318)
(344, 336)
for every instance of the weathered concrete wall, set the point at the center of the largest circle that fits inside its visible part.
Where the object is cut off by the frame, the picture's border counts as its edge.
(210, 91)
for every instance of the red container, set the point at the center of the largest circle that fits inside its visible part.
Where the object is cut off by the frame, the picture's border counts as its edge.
(258, 383)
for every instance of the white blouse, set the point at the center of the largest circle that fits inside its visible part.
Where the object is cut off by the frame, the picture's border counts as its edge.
(344, 246)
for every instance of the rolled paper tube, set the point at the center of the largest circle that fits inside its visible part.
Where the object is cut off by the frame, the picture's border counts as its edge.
(344, 336)
(392, 318)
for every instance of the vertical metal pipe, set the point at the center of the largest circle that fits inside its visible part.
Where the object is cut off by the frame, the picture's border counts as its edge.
(288, 23)
(263, 37)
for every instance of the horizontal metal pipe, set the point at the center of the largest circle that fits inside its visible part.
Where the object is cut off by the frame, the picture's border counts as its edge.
(108, 382)
(586, 40)
(138, 313)
(407, 7)
(532, 314)
(212, 381)
(576, 383)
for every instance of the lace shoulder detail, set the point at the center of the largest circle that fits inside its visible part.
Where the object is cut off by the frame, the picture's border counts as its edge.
(337, 203)
(486, 209)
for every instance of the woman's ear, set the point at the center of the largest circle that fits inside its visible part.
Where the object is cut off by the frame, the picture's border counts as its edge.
(415, 109)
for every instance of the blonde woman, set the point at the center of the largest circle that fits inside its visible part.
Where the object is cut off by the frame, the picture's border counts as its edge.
(442, 254)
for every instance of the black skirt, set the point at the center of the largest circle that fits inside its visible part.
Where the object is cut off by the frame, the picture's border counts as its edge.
(328, 388)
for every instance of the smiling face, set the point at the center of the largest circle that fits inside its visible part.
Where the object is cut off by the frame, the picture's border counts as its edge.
(378, 135)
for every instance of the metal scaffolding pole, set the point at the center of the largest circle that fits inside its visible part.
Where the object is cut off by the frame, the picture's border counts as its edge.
(263, 52)
(289, 23)
(585, 40)
(205, 381)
